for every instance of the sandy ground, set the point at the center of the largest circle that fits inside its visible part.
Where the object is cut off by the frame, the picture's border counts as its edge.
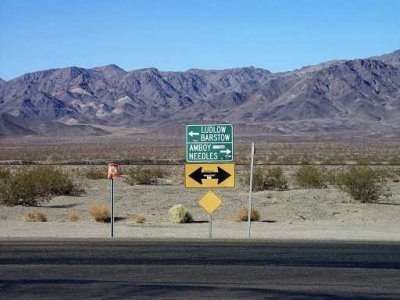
(319, 214)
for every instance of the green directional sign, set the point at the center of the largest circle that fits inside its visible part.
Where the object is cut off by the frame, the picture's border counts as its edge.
(209, 143)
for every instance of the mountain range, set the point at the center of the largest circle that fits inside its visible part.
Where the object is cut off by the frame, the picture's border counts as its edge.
(335, 99)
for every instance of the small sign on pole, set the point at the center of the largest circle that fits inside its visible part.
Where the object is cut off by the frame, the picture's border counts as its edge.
(113, 173)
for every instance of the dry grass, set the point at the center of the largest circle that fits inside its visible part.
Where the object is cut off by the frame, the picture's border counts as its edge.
(100, 213)
(34, 216)
(73, 216)
(243, 214)
(139, 219)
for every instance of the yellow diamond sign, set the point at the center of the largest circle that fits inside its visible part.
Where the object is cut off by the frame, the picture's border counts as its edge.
(210, 202)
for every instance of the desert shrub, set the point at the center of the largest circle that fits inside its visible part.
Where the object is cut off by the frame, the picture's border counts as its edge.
(96, 174)
(139, 219)
(258, 179)
(73, 216)
(331, 176)
(180, 214)
(34, 216)
(4, 173)
(145, 176)
(310, 177)
(30, 187)
(363, 183)
(271, 179)
(100, 213)
(244, 214)
(275, 180)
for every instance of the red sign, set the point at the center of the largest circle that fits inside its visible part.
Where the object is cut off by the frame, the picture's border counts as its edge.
(113, 171)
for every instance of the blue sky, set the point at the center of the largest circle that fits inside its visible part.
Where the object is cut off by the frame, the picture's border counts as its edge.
(176, 35)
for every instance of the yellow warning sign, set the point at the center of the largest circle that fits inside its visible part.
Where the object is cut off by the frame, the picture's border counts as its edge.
(210, 202)
(210, 175)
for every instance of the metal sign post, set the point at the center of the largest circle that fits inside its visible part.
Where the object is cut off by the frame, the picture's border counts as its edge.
(112, 207)
(250, 191)
(113, 173)
(210, 227)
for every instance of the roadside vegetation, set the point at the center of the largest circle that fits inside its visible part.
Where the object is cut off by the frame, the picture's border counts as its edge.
(145, 176)
(100, 213)
(180, 214)
(31, 187)
(73, 216)
(270, 179)
(243, 214)
(139, 219)
(34, 216)
(96, 173)
(363, 183)
(310, 177)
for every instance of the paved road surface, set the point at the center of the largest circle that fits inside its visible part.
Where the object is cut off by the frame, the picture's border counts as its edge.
(190, 269)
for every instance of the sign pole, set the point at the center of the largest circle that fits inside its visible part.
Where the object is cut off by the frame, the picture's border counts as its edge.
(210, 226)
(112, 208)
(250, 191)
(113, 172)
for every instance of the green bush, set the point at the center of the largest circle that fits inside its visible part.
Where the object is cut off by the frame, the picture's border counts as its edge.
(258, 179)
(180, 214)
(275, 180)
(331, 176)
(30, 187)
(272, 179)
(310, 177)
(363, 183)
(145, 176)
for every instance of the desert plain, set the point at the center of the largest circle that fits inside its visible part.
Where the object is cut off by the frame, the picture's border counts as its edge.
(297, 213)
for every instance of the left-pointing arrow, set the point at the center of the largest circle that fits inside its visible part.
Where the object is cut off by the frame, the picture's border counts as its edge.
(198, 175)
(192, 133)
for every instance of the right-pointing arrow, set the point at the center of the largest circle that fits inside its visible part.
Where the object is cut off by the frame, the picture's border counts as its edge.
(222, 175)
(227, 151)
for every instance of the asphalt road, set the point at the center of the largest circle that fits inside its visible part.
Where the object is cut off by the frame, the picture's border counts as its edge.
(192, 269)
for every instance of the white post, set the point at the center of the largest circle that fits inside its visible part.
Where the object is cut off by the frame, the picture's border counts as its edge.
(250, 191)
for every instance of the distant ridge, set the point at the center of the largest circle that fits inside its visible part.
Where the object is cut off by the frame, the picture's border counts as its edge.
(339, 98)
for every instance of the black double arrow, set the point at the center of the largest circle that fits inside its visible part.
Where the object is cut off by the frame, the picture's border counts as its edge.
(198, 175)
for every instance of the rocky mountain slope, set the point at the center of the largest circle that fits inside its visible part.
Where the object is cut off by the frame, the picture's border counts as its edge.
(353, 98)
